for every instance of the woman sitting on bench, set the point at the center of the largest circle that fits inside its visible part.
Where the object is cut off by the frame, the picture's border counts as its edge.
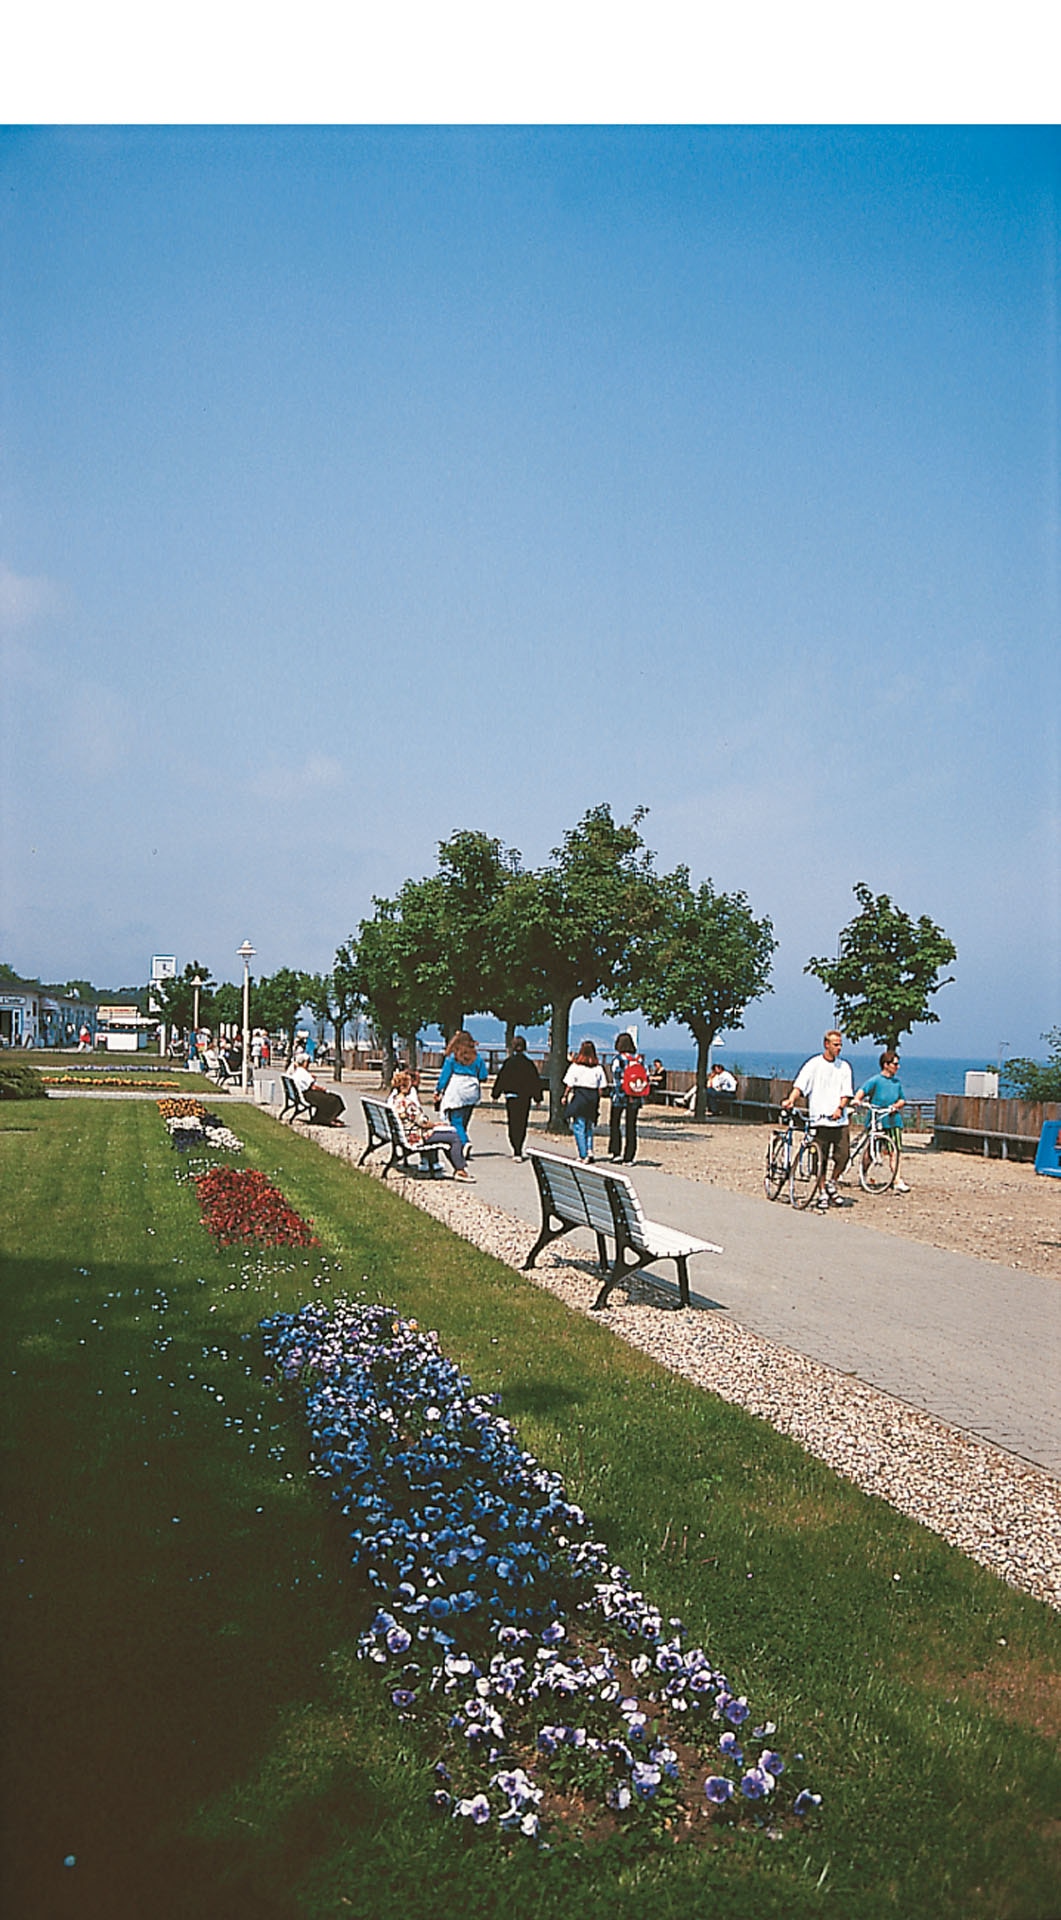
(420, 1130)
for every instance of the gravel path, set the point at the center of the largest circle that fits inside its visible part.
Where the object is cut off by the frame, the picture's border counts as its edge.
(1001, 1511)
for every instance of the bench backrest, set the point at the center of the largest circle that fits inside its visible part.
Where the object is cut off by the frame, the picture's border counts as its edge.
(382, 1120)
(292, 1095)
(585, 1195)
(628, 1208)
(560, 1181)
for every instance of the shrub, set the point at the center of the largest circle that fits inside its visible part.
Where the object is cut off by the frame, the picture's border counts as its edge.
(21, 1083)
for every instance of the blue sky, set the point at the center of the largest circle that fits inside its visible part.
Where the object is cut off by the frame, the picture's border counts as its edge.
(362, 484)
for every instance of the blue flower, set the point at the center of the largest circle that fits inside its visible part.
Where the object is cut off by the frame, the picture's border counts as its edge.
(477, 1809)
(805, 1803)
(756, 1784)
(717, 1789)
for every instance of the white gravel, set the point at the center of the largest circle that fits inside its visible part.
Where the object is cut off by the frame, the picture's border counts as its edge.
(1001, 1511)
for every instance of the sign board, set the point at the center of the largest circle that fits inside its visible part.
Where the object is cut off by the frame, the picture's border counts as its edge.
(164, 966)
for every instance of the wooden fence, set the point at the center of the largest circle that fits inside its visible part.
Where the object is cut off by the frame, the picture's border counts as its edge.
(1008, 1129)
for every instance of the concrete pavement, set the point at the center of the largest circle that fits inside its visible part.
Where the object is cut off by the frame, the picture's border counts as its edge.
(976, 1344)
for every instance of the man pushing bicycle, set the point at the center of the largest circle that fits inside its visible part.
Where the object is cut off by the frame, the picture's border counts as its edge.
(825, 1081)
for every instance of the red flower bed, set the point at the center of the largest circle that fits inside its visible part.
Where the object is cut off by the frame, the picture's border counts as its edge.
(239, 1204)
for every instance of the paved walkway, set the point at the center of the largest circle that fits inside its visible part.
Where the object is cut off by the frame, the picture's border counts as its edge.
(976, 1344)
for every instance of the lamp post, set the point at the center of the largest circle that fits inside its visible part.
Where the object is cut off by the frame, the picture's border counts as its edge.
(246, 954)
(197, 988)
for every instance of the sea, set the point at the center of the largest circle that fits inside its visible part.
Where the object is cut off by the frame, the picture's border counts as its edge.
(922, 1075)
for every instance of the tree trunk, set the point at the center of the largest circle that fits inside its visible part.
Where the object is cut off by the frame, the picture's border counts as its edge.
(451, 1022)
(559, 1031)
(704, 1036)
(390, 1059)
(510, 1035)
(411, 1052)
(338, 1029)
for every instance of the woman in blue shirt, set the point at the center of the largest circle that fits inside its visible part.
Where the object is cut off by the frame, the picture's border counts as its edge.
(460, 1084)
(885, 1093)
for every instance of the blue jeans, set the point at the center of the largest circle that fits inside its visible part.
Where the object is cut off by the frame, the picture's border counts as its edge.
(583, 1132)
(458, 1118)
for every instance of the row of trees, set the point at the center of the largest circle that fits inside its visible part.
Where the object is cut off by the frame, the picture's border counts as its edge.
(275, 1001)
(484, 934)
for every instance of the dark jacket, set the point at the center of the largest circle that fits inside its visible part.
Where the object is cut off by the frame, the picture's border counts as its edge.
(520, 1076)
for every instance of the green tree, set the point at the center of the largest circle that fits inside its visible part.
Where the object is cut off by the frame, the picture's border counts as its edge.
(80, 990)
(575, 921)
(885, 971)
(226, 1005)
(1036, 1079)
(702, 963)
(175, 999)
(346, 997)
(447, 923)
(395, 999)
(277, 1001)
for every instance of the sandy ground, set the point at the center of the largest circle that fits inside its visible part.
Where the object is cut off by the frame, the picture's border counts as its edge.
(995, 1209)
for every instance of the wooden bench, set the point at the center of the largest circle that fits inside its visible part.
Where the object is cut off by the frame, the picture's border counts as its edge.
(576, 1195)
(386, 1130)
(294, 1104)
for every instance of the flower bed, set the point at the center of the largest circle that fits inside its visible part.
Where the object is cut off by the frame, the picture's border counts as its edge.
(495, 1600)
(190, 1125)
(240, 1205)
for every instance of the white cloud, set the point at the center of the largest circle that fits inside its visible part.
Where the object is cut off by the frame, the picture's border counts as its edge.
(318, 773)
(25, 599)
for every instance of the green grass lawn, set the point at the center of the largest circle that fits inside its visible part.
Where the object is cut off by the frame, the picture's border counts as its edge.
(184, 1713)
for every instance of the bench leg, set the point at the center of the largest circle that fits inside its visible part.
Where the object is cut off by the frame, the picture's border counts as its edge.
(602, 1253)
(683, 1279)
(546, 1235)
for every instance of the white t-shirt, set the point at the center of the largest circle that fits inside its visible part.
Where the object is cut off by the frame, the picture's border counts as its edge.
(579, 1076)
(825, 1083)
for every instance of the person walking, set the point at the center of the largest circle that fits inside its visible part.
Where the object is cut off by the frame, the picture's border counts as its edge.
(518, 1083)
(460, 1084)
(825, 1081)
(631, 1087)
(885, 1093)
(584, 1082)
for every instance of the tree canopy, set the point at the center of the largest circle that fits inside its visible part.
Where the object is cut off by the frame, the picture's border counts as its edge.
(1036, 1079)
(575, 920)
(703, 960)
(886, 970)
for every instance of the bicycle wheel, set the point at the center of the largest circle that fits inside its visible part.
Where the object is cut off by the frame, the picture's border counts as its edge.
(805, 1171)
(878, 1165)
(776, 1165)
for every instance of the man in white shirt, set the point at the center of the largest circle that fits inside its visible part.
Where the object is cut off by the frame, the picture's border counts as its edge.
(826, 1081)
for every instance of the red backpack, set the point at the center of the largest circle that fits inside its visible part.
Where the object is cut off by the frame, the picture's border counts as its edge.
(636, 1083)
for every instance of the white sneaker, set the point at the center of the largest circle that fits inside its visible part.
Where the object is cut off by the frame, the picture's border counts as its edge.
(830, 1188)
(900, 1187)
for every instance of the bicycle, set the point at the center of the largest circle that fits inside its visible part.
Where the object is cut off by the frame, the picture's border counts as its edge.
(796, 1166)
(876, 1152)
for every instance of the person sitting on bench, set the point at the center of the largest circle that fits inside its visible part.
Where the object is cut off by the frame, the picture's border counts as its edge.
(324, 1107)
(420, 1130)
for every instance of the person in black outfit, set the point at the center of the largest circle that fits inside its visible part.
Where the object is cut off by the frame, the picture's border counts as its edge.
(518, 1083)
